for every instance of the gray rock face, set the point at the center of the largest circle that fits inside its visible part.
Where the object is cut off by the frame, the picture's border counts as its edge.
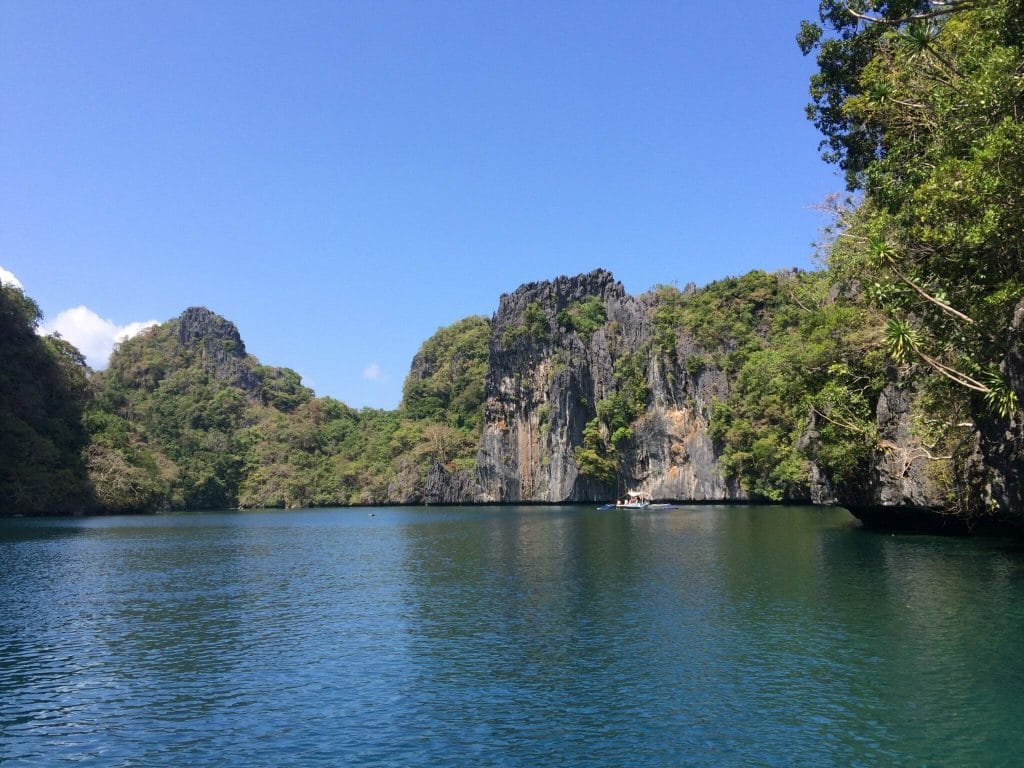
(901, 472)
(1002, 439)
(198, 326)
(979, 487)
(673, 456)
(544, 384)
(443, 486)
(217, 343)
(822, 490)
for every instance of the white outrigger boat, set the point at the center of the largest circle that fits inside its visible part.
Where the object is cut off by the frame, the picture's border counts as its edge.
(634, 500)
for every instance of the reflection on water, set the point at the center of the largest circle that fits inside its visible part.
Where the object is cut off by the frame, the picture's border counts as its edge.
(506, 636)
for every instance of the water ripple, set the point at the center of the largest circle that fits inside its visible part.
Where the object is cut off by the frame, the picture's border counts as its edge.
(505, 637)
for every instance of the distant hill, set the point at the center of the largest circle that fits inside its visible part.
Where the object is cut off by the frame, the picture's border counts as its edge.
(183, 417)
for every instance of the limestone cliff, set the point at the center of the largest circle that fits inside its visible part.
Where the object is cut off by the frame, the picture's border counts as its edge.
(977, 484)
(1002, 438)
(906, 485)
(544, 383)
(546, 379)
(215, 343)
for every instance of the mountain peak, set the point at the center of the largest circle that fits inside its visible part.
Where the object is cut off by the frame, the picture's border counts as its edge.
(199, 324)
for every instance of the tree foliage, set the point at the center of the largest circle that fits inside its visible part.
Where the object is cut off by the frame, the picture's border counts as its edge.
(532, 324)
(820, 367)
(922, 104)
(43, 391)
(447, 381)
(728, 318)
(800, 357)
(194, 423)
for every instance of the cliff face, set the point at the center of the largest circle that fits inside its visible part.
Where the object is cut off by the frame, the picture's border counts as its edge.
(217, 345)
(979, 483)
(573, 391)
(1002, 439)
(546, 379)
(905, 486)
(671, 455)
(543, 386)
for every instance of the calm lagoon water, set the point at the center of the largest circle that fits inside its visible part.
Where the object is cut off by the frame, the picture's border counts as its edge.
(506, 636)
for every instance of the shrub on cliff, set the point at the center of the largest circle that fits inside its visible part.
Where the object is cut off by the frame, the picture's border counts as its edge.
(584, 317)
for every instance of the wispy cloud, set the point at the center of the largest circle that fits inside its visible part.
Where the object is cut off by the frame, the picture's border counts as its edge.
(94, 336)
(373, 372)
(8, 278)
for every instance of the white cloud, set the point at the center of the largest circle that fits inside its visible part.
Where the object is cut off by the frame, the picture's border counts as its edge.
(94, 336)
(8, 278)
(373, 372)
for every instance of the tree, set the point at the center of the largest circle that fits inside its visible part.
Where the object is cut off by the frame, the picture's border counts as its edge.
(922, 105)
(43, 391)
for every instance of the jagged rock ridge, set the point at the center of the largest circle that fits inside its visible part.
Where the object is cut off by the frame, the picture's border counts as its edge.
(216, 342)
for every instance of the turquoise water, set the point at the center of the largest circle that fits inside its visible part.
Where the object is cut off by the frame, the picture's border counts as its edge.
(506, 636)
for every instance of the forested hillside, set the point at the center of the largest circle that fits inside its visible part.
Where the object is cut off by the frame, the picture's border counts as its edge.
(184, 418)
(800, 353)
(43, 390)
(764, 387)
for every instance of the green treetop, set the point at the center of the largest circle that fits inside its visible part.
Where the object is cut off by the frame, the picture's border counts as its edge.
(922, 104)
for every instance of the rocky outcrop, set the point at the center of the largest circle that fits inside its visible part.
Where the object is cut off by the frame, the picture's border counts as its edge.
(899, 475)
(672, 455)
(217, 344)
(445, 486)
(976, 486)
(545, 381)
(198, 326)
(904, 486)
(1002, 438)
(542, 386)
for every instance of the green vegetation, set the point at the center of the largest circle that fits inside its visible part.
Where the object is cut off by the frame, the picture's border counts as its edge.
(730, 318)
(165, 422)
(598, 456)
(921, 103)
(821, 367)
(795, 358)
(533, 324)
(42, 393)
(183, 418)
(452, 366)
(201, 425)
(583, 317)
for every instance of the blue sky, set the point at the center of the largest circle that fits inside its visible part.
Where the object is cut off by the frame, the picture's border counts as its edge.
(340, 179)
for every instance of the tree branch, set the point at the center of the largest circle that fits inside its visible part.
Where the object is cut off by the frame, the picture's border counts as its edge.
(942, 9)
(962, 379)
(792, 295)
(925, 295)
(839, 423)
